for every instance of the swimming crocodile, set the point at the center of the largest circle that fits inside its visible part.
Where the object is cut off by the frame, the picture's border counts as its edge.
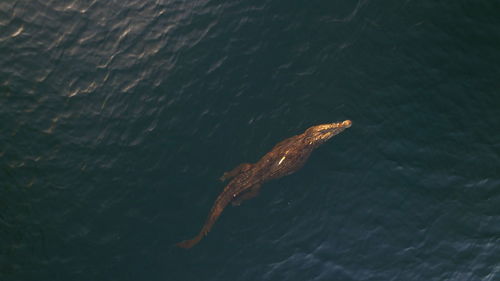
(284, 159)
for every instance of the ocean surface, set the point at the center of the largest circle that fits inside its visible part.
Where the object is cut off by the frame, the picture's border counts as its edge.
(118, 117)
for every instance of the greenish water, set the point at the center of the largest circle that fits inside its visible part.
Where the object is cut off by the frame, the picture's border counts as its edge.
(118, 117)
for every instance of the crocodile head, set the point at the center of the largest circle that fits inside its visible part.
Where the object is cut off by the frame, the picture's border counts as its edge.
(321, 133)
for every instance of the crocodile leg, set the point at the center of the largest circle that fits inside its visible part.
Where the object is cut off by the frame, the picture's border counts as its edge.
(234, 172)
(253, 192)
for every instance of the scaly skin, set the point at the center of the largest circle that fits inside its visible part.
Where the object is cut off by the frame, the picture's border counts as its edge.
(284, 159)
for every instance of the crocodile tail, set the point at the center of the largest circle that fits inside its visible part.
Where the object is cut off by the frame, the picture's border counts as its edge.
(215, 212)
(186, 244)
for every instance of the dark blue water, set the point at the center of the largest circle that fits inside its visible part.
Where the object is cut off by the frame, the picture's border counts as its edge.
(117, 118)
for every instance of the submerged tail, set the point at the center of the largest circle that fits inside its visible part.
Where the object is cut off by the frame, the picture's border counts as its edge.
(186, 244)
(219, 205)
